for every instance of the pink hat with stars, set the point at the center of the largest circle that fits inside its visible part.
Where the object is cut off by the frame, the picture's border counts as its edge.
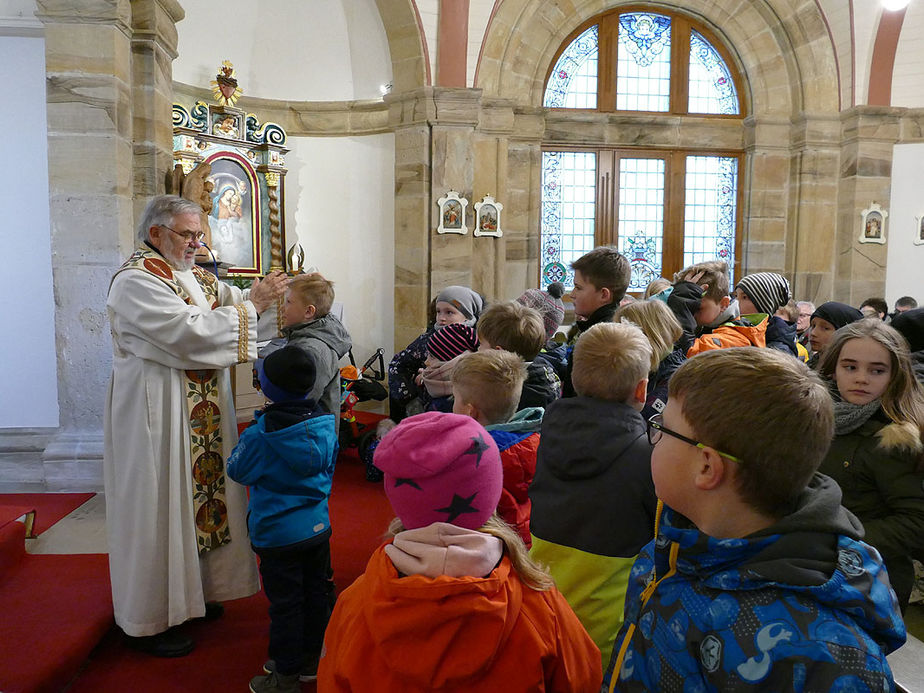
(440, 468)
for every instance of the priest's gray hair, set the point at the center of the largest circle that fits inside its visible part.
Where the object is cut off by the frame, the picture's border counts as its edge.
(161, 210)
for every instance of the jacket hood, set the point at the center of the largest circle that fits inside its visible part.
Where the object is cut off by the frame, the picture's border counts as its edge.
(475, 618)
(815, 549)
(527, 420)
(781, 334)
(573, 448)
(289, 442)
(327, 329)
(905, 436)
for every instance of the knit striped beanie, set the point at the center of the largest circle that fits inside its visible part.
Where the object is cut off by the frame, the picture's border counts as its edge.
(767, 291)
(450, 341)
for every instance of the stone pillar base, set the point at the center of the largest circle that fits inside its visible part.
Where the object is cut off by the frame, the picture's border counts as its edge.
(73, 461)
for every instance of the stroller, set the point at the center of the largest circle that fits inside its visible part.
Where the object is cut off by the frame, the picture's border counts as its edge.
(360, 385)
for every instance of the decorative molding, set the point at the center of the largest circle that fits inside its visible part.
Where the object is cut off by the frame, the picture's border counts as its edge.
(22, 27)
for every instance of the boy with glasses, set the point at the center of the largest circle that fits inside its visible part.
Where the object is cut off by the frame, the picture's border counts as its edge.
(593, 501)
(757, 578)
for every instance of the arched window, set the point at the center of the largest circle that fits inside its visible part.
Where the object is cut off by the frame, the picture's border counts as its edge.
(664, 206)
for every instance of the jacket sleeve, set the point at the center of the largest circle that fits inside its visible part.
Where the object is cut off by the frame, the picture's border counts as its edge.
(902, 530)
(576, 669)
(244, 463)
(403, 367)
(684, 302)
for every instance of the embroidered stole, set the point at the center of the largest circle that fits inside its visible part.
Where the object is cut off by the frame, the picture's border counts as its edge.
(203, 408)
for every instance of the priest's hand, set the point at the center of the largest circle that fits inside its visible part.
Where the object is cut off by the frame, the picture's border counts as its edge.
(264, 293)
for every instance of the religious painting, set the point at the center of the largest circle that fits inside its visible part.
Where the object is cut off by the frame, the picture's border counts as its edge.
(235, 211)
(919, 229)
(873, 224)
(487, 213)
(452, 213)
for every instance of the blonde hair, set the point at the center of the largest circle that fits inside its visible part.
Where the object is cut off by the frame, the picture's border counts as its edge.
(315, 291)
(715, 277)
(514, 327)
(609, 361)
(789, 311)
(533, 575)
(903, 399)
(656, 286)
(658, 324)
(492, 381)
(768, 392)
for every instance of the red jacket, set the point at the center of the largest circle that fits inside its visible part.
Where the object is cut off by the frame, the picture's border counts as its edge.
(519, 463)
(410, 634)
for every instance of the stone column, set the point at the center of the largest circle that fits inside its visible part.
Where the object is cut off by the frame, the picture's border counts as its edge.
(869, 134)
(95, 174)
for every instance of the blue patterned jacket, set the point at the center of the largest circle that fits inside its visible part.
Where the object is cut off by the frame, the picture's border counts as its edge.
(801, 606)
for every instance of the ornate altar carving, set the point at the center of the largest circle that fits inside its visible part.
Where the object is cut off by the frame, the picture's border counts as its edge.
(227, 156)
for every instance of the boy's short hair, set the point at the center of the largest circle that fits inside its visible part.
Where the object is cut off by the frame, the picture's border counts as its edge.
(906, 302)
(609, 361)
(315, 291)
(657, 322)
(605, 268)
(715, 277)
(492, 381)
(738, 400)
(878, 304)
(514, 327)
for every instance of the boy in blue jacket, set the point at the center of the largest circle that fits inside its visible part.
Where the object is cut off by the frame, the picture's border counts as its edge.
(287, 458)
(757, 578)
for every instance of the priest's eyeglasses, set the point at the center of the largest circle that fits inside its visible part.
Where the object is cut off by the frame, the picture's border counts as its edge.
(188, 236)
(656, 427)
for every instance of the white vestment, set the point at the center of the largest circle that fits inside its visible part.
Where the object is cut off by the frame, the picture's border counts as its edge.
(159, 579)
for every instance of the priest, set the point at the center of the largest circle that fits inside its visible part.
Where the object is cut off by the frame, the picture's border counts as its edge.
(176, 525)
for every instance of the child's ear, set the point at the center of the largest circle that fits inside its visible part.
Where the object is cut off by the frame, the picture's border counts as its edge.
(725, 302)
(606, 294)
(310, 312)
(641, 392)
(712, 471)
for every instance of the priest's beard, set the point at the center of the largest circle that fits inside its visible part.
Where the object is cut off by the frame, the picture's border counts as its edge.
(181, 262)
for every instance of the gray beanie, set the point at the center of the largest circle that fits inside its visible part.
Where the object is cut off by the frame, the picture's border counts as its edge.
(463, 300)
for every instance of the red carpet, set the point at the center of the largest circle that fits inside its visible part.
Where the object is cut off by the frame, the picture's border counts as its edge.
(229, 652)
(49, 507)
(54, 611)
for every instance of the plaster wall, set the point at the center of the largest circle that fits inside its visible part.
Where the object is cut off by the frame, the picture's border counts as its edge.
(866, 16)
(905, 260)
(323, 50)
(27, 353)
(340, 201)
(908, 71)
(837, 17)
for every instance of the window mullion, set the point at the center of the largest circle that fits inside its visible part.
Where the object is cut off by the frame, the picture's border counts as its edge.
(607, 181)
(673, 227)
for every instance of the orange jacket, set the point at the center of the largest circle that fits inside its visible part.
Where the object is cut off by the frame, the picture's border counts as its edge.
(409, 634)
(731, 335)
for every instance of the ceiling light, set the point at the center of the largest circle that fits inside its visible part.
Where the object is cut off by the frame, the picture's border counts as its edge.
(894, 5)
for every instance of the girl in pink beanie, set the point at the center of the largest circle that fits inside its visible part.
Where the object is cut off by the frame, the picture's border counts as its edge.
(452, 602)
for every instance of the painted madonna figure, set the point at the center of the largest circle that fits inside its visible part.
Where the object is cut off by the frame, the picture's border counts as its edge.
(176, 527)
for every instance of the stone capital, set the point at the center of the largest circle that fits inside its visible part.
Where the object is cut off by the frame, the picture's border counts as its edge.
(155, 21)
(113, 12)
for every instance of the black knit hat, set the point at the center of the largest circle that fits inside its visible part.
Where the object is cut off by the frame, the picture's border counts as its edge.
(911, 325)
(838, 314)
(286, 374)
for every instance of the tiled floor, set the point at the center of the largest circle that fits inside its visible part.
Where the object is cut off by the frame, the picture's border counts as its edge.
(83, 531)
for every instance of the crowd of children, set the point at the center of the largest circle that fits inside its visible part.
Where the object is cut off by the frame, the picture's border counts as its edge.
(666, 499)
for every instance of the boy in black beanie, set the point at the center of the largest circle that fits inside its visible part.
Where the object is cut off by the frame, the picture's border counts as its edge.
(287, 457)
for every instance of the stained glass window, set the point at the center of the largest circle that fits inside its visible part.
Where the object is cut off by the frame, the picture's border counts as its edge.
(569, 191)
(573, 82)
(643, 65)
(712, 89)
(641, 218)
(710, 210)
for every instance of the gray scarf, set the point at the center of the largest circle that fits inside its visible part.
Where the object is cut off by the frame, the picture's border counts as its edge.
(849, 417)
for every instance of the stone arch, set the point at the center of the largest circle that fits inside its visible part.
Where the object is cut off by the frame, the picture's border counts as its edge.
(409, 63)
(782, 47)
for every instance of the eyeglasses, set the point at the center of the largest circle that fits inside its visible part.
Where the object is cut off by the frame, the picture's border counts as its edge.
(188, 236)
(656, 427)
